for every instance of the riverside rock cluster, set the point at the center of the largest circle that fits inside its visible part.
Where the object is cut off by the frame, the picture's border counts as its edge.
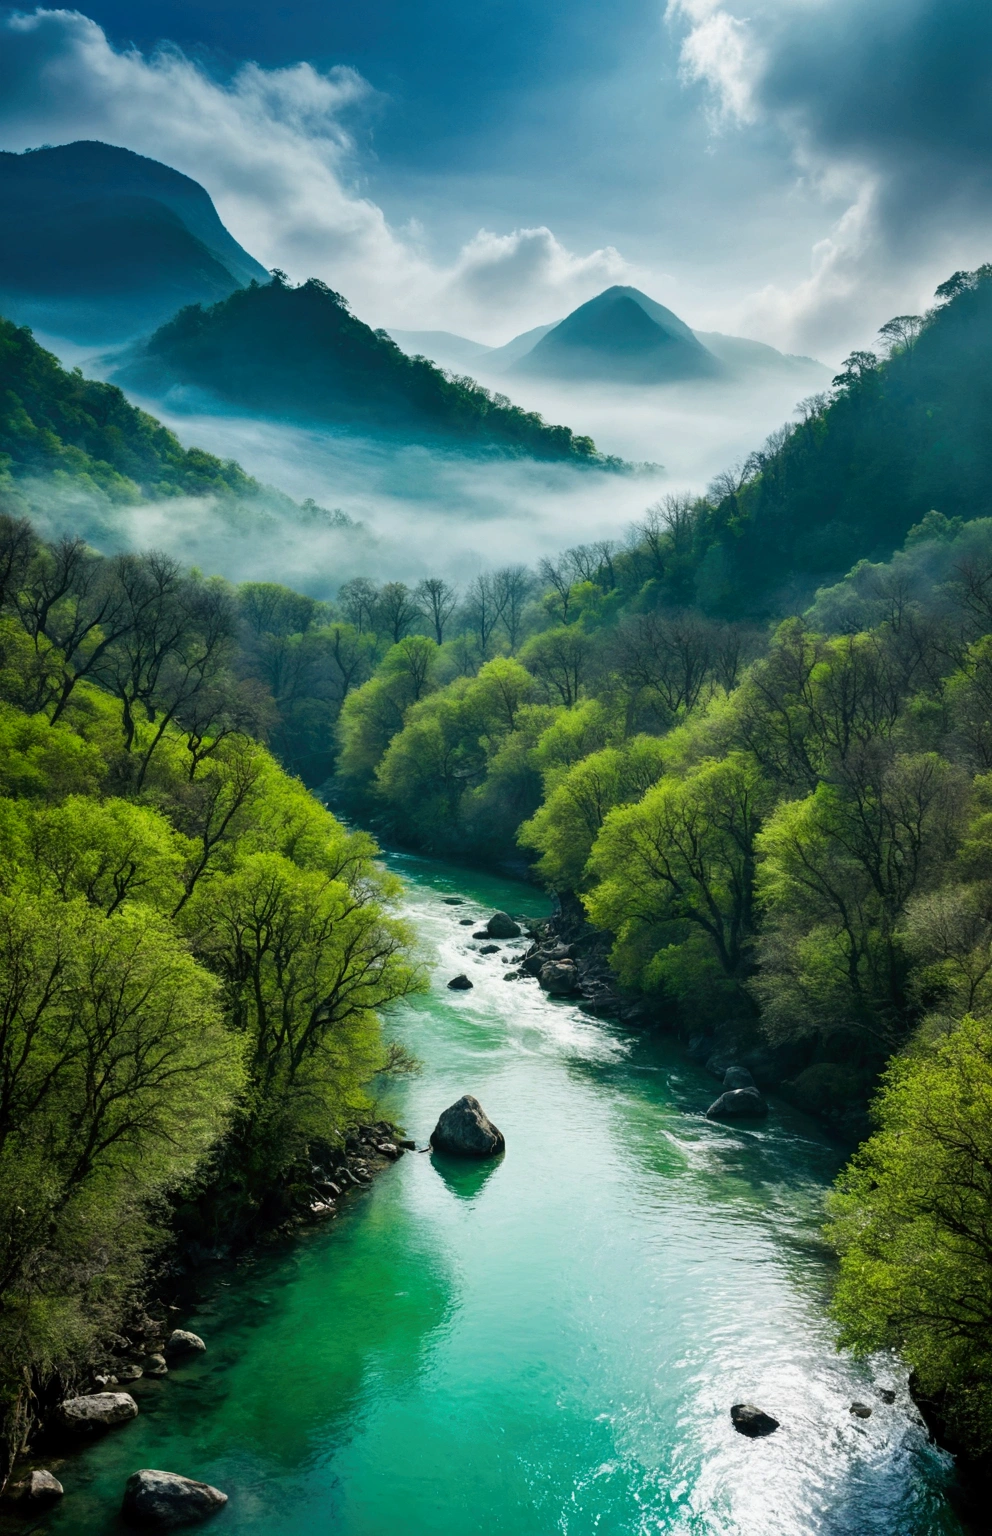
(148, 1348)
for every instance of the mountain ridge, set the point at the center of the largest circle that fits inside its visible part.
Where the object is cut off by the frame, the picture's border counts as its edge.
(298, 353)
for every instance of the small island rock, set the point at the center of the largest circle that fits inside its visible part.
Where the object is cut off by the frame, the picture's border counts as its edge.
(465, 1130)
(182, 1342)
(502, 926)
(33, 1491)
(154, 1365)
(164, 1499)
(98, 1410)
(738, 1104)
(752, 1421)
(460, 984)
(861, 1410)
(559, 977)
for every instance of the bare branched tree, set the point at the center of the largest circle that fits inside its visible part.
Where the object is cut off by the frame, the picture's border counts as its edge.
(396, 611)
(512, 586)
(437, 602)
(484, 609)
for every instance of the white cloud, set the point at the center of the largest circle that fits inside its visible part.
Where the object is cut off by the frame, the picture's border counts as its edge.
(273, 149)
(719, 50)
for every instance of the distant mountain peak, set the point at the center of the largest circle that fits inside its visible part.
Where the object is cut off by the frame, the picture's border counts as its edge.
(624, 337)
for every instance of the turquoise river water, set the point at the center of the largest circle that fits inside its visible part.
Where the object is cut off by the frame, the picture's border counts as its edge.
(546, 1345)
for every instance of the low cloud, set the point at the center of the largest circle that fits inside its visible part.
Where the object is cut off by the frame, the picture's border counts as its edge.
(275, 149)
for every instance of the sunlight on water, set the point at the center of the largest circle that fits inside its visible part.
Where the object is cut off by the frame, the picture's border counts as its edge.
(549, 1343)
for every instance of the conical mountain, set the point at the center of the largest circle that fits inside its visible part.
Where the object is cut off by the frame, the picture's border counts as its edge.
(624, 337)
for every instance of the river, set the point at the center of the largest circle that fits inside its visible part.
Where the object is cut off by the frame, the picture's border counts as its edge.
(546, 1345)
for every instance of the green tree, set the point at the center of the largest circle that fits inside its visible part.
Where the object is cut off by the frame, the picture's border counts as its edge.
(838, 869)
(680, 866)
(910, 1218)
(567, 824)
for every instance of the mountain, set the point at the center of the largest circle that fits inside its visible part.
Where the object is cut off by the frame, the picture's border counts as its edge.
(99, 244)
(299, 354)
(739, 357)
(621, 336)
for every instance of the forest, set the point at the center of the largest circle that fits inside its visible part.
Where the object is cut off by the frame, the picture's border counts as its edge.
(192, 952)
(750, 741)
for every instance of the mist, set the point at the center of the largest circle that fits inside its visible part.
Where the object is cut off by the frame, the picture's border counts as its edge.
(402, 511)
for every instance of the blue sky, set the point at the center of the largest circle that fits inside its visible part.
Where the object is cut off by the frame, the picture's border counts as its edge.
(796, 170)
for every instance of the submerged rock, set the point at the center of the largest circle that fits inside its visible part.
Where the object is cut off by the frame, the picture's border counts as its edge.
(98, 1410)
(489, 949)
(182, 1342)
(886, 1394)
(33, 1491)
(460, 984)
(502, 926)
(752, 1421)
(738, 1104)
(465, 1130)
(454, 901)
(164, 1499)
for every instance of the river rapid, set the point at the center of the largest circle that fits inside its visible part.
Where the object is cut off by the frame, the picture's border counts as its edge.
(545, 1345)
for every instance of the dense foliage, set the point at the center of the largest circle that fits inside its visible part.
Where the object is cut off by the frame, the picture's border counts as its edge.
(300, 353)
(192, 950)
(55, 422)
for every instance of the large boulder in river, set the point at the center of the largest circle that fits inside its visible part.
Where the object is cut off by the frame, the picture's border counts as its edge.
(502, 926)
(465, 1130)
(100, 1410)
(738, 1104)
(751, 1421)
(559, 977)
(164, 1500)
(459, 984)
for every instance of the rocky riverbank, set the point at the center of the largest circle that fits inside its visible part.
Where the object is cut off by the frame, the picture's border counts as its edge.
(572, 959)
(147, 1340)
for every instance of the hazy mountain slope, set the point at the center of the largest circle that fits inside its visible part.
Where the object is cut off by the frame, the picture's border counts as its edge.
(499, 359)
(299, 354)
(99, 244)
(442, 347)
(742, 356)
(621, 336)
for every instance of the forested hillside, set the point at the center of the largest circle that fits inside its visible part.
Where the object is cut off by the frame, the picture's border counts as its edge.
(192, 952)
(903, 431)
(300, 353)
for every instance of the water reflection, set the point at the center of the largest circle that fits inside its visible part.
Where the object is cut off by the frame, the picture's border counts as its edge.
(465, 1177)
